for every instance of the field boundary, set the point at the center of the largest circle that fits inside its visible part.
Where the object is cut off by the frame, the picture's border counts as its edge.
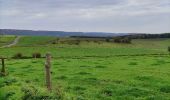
(85, 57)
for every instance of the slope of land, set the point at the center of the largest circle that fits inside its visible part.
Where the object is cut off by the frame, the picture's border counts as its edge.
(90, 69)
(7, 39)
(13, 43)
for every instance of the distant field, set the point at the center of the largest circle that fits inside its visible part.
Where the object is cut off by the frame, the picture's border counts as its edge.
(88, 70)
(29, 45)
(4, 40)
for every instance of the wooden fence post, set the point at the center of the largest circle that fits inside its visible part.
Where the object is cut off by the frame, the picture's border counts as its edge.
(3, 72)
(48, 72)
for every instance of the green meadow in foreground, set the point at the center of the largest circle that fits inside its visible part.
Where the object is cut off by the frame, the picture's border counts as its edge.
(88, 70)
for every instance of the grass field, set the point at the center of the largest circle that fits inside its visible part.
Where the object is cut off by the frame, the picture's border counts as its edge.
(89, 70)
(4, 40)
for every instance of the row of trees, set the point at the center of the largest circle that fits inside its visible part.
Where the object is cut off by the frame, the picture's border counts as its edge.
(149, 36)
(128, 38)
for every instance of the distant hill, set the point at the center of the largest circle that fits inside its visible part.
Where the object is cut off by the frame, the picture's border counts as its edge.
(58, 33)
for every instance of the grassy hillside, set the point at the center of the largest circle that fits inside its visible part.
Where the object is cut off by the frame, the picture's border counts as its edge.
(4, 40)
(88, 70)
(68, 47)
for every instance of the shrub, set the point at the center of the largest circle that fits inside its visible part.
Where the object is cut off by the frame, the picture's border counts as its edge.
(122, 40)
(18, 55)
(169, 49)
(54, 42)
(36, 55)
(107, 40)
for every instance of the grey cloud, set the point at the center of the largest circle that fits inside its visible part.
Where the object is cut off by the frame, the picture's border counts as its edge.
(87, 15)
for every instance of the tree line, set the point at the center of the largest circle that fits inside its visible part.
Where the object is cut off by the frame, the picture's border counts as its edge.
(148, 36)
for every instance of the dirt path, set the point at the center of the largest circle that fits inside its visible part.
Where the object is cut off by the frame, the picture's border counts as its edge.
(13, 43)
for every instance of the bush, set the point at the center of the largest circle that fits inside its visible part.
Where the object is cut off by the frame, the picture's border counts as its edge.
(54, 42)
(107, 40)
(36, 55)
(122, 40)
(169, 49)
(18, 55)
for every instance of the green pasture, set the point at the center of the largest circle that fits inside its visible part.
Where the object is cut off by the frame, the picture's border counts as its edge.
(6, 39)
(89, 70)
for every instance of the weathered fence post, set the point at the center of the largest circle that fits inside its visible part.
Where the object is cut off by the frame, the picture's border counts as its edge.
(3, 72)
(48, 72)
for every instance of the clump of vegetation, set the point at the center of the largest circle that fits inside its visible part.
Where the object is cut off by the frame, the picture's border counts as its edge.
(77, 42)
(36, 55)
(107, 92)
(9, 94)
(169, 49)
(29, 93)
(84, 66)
(133, 63)
(10, 81)
(55, 41)
(144, 78)
(107, 40)
(33, 93)
(62, 77)
(79, 88)
(83, 73)
(18, 56)
(122, 40)
(165, 89)
(100, 66)
(136, 92)
(59, 94)
(80, 97)
(71, 42)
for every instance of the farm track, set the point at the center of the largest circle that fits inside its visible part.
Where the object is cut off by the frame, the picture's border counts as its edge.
(13, 43)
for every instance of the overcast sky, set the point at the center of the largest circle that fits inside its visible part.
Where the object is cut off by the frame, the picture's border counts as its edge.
(151, 16)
